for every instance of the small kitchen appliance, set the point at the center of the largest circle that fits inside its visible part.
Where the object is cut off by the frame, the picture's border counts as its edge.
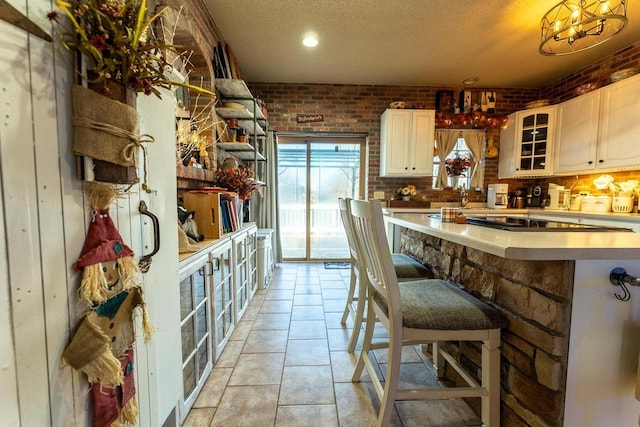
(534, 196)
(559, 197)
(498, 196)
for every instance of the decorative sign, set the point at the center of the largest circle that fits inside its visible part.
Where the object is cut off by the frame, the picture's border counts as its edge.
(310, 118)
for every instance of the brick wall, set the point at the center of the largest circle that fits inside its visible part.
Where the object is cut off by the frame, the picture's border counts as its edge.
(357, 109)
(597, 73)
(351, 108)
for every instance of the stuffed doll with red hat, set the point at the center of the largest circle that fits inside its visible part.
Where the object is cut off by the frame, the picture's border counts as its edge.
(102, 345)
(106, 263)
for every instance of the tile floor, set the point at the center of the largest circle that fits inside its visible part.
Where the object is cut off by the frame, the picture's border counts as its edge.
(287, 365)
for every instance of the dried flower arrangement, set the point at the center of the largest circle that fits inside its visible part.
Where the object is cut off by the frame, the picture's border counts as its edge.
(238, 179)
(457, 165)
(116, 39)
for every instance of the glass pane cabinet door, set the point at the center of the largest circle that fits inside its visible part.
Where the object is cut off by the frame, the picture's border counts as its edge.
(241, 279)
(196, 333)
(534, 143)
(223, 298)
(252, 262)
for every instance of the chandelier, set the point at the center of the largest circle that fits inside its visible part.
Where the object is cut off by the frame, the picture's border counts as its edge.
(573, 26)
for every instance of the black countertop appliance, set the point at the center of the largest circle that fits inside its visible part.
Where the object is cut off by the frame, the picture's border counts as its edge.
(534, 196)
(510, 223)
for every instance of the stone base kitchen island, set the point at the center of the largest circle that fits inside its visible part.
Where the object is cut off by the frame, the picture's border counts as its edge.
(570, 352)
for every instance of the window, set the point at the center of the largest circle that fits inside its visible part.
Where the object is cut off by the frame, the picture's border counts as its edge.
(463, 150)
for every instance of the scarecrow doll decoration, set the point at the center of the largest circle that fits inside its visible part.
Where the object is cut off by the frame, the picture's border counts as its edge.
(102, 345)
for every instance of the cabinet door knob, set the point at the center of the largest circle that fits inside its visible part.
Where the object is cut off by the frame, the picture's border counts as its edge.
(590, 162)
(600, 161)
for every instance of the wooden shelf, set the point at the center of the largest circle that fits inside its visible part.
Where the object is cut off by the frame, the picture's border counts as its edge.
(237, 90)
(241, 150)
(234, 113)
(250, 129)
(233, 89)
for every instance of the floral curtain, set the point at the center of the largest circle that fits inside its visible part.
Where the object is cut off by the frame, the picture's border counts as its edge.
(476, 142)
(446, 141)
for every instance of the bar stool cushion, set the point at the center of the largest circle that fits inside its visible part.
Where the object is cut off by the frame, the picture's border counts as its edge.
(407, 267)
(440, 305)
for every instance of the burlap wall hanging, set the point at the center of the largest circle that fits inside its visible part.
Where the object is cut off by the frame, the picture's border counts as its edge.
(107, 130)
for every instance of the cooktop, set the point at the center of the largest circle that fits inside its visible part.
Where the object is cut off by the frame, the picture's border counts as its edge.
(512, 223)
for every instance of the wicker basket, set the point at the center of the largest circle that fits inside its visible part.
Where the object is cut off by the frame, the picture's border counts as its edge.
(622, 204)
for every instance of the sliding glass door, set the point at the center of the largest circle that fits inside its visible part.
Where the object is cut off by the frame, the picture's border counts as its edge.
(312, 173)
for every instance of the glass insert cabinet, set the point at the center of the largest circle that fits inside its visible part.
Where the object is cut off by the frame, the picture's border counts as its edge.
(216, 286)
(534, 141)
(533, 151)
(195, 315)
(527, 143)
(245, 262)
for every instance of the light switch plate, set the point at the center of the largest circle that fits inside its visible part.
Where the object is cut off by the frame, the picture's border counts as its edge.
(378, 195)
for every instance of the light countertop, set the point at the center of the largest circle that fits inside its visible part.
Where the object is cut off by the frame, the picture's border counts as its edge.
(525, 245)
(529, 212)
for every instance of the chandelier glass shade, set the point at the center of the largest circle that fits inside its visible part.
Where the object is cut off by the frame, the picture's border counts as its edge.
(573, 26)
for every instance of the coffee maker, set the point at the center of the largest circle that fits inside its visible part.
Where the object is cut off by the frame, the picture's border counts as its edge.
(534, 196)
(559, 197)
(498, 196)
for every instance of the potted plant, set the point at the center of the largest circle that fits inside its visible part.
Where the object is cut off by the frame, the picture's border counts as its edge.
(456, 167)
(406, 192)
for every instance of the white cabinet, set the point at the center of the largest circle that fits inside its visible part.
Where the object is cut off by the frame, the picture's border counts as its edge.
(597, 131)
(244, 262)
(406, 143)
(216, 286)
(526, 144)
(222, 296)
(620, 125)
(506, 161)
(251, 243)
(207, 315)
(196, 328)
(534, 141)
(577, 134)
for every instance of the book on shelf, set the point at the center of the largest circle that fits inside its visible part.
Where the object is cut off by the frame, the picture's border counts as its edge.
(216, 211)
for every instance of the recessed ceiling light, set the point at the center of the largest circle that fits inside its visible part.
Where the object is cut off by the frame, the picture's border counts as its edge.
(310, 40)
(470, 80)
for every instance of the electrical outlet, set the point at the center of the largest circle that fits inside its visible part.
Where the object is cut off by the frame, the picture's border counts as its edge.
(378, 195)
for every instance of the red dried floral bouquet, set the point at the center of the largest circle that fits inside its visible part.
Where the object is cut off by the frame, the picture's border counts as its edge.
(240, 180)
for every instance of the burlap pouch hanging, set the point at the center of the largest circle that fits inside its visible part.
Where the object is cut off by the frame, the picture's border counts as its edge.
(104, 129)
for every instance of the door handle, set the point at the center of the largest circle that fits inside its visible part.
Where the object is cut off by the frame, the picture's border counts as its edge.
(145, 260)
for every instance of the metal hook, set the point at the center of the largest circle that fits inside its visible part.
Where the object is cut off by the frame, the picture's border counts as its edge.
(626, 295)
(619, 277)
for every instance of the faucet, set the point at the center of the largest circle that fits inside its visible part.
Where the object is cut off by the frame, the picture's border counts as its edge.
(464, 197)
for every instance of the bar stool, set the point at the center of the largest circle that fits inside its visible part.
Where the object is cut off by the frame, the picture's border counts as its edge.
(406, 268)
(421, 311)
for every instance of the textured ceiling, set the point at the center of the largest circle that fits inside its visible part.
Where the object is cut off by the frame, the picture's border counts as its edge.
(401, 42)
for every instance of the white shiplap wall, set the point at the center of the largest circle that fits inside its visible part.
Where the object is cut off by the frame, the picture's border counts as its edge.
(44, 226)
